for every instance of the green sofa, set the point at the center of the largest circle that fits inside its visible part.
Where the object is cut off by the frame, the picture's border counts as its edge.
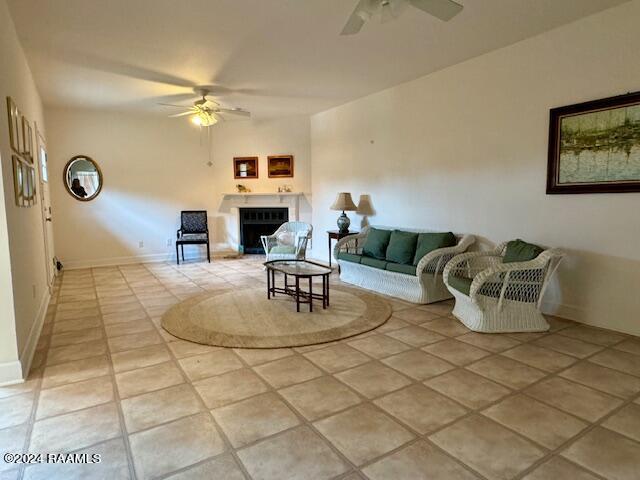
(399, 262)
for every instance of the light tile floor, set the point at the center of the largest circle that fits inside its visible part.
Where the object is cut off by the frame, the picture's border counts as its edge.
(419, 398)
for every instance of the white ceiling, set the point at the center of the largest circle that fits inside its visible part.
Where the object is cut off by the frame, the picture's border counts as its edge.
(272, 57)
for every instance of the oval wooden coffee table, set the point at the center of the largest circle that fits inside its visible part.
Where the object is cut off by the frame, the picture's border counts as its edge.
(299, 270)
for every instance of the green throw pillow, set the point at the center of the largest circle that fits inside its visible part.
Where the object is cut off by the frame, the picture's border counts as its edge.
(376, 243)
(521, 251)
(429, 241)
(402, 247)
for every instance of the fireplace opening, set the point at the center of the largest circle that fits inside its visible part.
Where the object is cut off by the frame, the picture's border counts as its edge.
(255, 222)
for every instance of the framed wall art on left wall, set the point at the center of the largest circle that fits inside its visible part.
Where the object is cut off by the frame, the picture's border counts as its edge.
(15, 124)
(21, 141)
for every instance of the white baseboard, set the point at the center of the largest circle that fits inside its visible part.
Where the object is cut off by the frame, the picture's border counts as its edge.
(570, 312)
(16, 371)
(111, 261)
(580, 315)
(147, 258)
(29, 350)
(10, 373)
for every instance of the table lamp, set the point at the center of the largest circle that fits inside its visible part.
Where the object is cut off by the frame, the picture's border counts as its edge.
(344, 202)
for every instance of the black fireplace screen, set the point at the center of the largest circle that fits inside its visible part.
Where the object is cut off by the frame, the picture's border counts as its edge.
(255, 222)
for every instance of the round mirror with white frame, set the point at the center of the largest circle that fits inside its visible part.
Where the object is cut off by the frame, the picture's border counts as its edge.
(82, 178)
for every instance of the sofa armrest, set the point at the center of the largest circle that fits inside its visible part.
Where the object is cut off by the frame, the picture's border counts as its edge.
(527, 280)
(268, 241)
(349, 242)
(301, 244)
(471, 263)
(435, 261)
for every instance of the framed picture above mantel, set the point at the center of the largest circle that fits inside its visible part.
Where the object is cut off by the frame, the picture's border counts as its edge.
(280, 166)
(245, 167)
(594, 147)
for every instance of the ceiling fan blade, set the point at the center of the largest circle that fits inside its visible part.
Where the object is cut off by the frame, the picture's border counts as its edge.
(235, 111)
(357, 18)
(172, 105)
(442, 9)
(176, 97)
(181, 114)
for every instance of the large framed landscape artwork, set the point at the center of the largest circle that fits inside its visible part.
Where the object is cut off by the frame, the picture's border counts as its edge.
(594, 147)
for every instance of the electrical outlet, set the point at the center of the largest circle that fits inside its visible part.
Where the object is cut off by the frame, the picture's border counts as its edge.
(169, 242)
(140, 244)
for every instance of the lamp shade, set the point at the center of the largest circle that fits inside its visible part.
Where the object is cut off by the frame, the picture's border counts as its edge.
(344, 202)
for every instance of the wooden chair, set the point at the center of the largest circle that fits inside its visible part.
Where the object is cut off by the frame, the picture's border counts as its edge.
(194, 230)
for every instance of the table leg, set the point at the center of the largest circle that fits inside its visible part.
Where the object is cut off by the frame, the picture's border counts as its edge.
(297, 293)
(324, 292)
(268, 285)
(310, 295)
(330, 252)
(328, 290)
(273, 282)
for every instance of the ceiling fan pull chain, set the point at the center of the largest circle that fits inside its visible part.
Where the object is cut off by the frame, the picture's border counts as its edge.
(210, 135)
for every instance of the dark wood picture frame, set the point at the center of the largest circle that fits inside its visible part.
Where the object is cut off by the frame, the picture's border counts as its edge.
(252, 167)
(280, 166)
(554, 186)
(14, 118)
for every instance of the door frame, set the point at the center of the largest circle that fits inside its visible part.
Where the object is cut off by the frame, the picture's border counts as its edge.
(41, 144)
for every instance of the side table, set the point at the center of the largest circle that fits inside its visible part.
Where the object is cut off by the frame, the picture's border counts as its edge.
(337, 235)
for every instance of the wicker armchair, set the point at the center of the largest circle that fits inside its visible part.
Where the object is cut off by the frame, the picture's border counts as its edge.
(422, 286)
(492, 296)
(288, 242)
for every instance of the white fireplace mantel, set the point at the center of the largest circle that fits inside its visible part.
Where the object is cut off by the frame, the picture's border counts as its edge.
(290, 200)
(233, 202)
(281, 197)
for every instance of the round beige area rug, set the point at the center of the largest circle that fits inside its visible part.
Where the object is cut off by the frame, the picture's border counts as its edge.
(247, 319)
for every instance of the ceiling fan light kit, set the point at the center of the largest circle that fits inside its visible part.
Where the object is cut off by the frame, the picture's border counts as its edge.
(204, 118)
(205, 112)
(389, 9)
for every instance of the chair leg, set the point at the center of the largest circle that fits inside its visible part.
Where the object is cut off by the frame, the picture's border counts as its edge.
(182, 249)
(177, 254)
(208, 253)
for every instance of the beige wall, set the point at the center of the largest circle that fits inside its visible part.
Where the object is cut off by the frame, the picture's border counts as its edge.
(23, 284)
(465, 149)
(154, 167)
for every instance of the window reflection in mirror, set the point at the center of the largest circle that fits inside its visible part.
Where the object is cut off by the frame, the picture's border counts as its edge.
(83, 178)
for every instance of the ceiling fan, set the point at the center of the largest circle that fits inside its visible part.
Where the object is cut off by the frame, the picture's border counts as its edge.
(390, 9)
(205, 112)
